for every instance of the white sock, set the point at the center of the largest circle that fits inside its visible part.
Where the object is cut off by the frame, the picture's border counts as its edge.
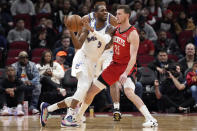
(117, 105)
(144, 110)
(82, 109)
(52, 108)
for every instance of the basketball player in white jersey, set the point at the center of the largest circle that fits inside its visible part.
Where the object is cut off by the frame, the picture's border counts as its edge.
(91, 46)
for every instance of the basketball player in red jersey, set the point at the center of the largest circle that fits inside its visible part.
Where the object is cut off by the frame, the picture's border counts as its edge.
(126, 43)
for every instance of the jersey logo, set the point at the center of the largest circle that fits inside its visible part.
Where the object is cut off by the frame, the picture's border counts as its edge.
(78, 65)
(92, 38)
(119, 40)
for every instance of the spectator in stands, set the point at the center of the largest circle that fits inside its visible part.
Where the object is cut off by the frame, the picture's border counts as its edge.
(3, 41)
(6, 21)
(168, 44)
(151, 20)
(136, 10)
(194, 40)
(183, 23)
(22, 7)
(155, 10)
(39, 41)
(42, 6)
(61, 12)
(142, 25)
(19, 33)
(83, 10)
(60, 58)
(69, 50)
(146, 46)
(65, 33)
(51, 73)
(11, 92)
(166, 23)
(160, 64)
(171, 93)
(27, 72)
(192, 81)
(188, 61)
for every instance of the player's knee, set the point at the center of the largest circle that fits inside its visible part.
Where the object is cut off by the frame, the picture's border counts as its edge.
(129, 92)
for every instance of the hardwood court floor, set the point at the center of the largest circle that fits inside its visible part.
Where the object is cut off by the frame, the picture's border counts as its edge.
(102, 122)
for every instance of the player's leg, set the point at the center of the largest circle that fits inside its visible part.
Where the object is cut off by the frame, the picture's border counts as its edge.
(115, 94)
(92, 92)
(129, 88)
(84, 82)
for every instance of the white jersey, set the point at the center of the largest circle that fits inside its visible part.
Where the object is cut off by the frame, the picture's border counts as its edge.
(94, 45)
(104, 61)
(86, 58)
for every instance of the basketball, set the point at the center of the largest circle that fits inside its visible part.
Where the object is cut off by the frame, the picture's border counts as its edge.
(73, 23)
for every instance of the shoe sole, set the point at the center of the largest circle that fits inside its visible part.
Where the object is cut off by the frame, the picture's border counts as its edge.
(41, 115)
(154, 124)
(117, 116)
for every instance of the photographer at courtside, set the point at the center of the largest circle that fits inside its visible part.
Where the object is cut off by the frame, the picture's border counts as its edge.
(172, 93)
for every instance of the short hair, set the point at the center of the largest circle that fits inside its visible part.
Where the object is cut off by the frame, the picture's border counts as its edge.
(97, 8)
(163, 51)
(126, 8)
(64, 37)
(9, 66)
(95, 1)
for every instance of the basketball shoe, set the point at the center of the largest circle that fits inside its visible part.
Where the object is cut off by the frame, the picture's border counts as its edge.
(44, 115)
(150, 123)
(116, 115)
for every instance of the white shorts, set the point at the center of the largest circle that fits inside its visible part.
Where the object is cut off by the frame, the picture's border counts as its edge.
(82, 64)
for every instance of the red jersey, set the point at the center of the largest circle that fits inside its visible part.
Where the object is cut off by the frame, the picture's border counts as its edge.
(122, 46)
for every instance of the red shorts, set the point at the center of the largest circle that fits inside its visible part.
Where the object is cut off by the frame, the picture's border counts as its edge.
(112, 73)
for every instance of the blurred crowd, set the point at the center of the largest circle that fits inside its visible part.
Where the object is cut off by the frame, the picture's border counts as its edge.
(36, 53)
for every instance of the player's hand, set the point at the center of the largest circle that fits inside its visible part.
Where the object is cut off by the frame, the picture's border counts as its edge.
(87, 26)
(123, 78)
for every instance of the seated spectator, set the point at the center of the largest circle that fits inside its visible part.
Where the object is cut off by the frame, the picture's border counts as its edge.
(3, 41)
(11, 92)
(194, 40)
(65, 33)
(168, 44)
(142, 25)
(6, 21)
(51, 74)
(172, 94)
(46, 25)
(166, 23)
(136, 10)
(146, 47)
(151, 20)
(183, 23)
(160, 64)
(69, 50)
(22, 7)
(61, 12)
(192, 81)
(27, 72)
(42, 6)
(19, 33)
(39, 41)
(155, 10)
(188, 61)
(60, 58)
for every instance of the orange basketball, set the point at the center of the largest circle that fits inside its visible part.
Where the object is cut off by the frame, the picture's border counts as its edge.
(73, 22)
